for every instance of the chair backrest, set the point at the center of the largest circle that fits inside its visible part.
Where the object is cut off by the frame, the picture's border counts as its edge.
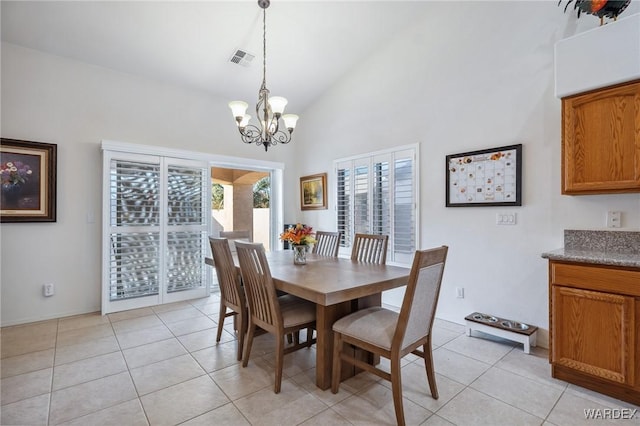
(228, 278)
(370, 248)
(327, 243)
(258, 285)
(233, 236)
(421, 296)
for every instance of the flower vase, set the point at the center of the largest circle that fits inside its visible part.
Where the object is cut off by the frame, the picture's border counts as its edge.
(299, 255)
(11, 196)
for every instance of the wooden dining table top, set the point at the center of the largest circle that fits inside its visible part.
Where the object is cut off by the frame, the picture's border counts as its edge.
(331, 280)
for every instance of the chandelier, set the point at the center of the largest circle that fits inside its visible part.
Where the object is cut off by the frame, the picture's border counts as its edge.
(269, 110)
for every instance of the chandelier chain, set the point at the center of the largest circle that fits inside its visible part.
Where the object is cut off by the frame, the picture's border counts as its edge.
(264, 46)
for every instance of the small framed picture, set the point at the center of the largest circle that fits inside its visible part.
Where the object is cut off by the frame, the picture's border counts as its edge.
(27, 181)
(489, 177)
(313, 192)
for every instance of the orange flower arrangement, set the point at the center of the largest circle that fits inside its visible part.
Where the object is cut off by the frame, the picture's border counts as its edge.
(299, 235)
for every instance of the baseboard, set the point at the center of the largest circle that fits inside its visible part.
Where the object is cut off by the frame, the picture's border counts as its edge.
(30, 320)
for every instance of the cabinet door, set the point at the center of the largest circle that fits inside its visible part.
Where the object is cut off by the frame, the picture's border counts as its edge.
(593, 332)
(601, 141)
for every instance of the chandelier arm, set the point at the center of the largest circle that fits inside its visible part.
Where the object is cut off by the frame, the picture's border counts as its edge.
(274, 125)
(250, 134)
(280, 137)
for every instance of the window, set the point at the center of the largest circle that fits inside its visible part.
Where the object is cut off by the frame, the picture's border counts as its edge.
(376, 194)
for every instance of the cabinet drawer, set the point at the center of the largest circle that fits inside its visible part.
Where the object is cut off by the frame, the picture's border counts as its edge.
(598, 278)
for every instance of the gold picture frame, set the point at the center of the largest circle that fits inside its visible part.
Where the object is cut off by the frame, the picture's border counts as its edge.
(27, 181)
(313, 192)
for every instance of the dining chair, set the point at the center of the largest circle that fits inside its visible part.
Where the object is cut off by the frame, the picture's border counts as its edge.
(393, 335)
(327, 243)
(276, 315)
(370, 248)
(232, 295)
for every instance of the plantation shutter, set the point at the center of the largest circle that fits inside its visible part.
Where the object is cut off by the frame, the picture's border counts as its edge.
(344, 201)
(362, 197)
(404, 211)
(381, 223)
(186, 230)
(135, 228)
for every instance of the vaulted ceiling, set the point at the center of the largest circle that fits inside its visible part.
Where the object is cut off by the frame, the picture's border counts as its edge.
(310, 44)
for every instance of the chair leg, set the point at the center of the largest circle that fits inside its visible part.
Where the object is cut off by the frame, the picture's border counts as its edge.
(248, 343)
(431, 374)
(221, 315)
(242, 332)
(309, 336)
(279, 363)
(396, 389)
(337, 362)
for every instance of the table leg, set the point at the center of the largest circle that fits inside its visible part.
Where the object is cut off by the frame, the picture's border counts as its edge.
(325, 317)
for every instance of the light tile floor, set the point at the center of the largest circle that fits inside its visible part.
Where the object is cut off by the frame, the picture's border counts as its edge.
(161, 366)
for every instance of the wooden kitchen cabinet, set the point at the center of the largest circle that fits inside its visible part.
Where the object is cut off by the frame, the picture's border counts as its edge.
(601, 141)
(594, 320)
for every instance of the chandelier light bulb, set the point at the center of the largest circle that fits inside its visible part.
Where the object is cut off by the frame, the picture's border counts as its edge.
(277, 104)
(245, 120)
(238, 109)
(290, 121)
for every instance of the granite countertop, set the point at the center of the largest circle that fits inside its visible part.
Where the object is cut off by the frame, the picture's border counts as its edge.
(595, 257)
(616, 248)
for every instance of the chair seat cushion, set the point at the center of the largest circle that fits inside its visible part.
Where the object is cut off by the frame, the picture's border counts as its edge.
(374, 325)
(296, 311)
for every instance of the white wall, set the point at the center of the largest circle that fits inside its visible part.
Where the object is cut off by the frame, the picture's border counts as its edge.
(471, 75)
(51, 99)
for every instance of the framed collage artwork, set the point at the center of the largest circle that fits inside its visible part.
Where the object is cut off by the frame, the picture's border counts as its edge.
(489, 177)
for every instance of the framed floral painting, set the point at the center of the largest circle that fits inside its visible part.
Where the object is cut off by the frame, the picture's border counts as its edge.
(27, 181)
(313, 192)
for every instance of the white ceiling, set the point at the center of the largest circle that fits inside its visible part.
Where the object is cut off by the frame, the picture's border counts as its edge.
(310, 44)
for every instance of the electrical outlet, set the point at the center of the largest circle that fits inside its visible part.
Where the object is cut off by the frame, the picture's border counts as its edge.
(47, 289)
(460, 292)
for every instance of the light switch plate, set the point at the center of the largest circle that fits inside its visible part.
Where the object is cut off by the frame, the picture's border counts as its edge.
(506, 218)
(614, 219)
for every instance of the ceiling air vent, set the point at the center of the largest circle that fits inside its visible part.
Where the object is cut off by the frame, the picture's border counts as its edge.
(241, 57)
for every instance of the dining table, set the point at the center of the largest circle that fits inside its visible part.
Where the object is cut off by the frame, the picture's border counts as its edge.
(337, 286)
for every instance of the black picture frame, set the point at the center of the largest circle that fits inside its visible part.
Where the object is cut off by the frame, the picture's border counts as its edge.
(27, 181)
(484, 178)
